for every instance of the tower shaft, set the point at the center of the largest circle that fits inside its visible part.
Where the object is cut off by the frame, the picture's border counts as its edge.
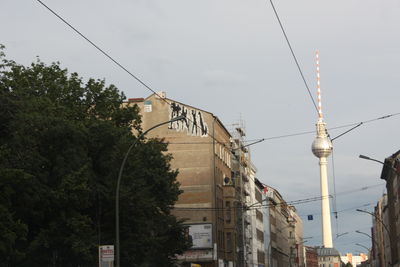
(326, 214)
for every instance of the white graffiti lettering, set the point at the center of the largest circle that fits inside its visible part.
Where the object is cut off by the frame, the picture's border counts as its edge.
(193, 123)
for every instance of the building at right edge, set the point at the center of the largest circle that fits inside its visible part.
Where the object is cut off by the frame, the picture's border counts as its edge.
(385, 230)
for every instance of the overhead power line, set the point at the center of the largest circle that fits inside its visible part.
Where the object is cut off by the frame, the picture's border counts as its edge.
(153, 91)
(115, 61)
(287, 203)
(299, 133)
(98, 48)
(294, 56)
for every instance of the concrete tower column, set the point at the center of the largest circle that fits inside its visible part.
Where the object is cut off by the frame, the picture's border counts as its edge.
(326, 214)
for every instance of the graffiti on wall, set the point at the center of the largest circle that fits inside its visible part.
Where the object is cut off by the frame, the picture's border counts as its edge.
(194, 123)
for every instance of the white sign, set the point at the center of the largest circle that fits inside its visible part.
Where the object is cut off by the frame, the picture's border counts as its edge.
(201, 235)
(196, 255)
(147, 106)
(106, 253)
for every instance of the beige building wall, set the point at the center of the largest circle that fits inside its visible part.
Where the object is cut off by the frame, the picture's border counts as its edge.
(257, 221)
(298, 251)
(378, 233)
(200, 146)
(279, 231)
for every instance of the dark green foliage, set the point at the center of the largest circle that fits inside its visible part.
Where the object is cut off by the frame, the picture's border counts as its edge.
(61, 145)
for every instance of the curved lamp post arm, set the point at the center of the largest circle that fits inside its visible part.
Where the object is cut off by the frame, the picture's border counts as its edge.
(368, 158)
(117, 247)
(385, 164)
(373, 240)
(359, 232)
(377, 218)
(360, 245)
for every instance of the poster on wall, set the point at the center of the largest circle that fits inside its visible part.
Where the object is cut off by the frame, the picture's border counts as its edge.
(201, 235)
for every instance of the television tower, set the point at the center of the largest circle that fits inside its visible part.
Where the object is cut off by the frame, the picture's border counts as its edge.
(322, 148)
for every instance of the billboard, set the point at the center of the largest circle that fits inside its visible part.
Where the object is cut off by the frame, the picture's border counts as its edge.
(201, 235)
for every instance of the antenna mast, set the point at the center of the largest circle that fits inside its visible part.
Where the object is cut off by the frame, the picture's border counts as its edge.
(320, 116)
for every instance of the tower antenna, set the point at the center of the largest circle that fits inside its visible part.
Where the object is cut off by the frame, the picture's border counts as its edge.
(320, 115)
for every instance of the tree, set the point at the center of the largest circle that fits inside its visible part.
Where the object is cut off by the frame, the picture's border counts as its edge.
(61, 144)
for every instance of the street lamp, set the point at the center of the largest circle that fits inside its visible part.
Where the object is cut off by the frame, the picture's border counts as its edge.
(373, 240)
(342, 234)
(363, 247)
(359, 232)
(368, 158)
(117, 248)
(385, 164)
(377, 218)
(384, 226)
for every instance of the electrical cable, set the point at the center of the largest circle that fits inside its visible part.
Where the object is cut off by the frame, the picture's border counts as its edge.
(98, 48)
(287, 203)
(340, 211)
(335, 213)
(115, 61)
(297, 202)
(153, 91)
(294, 56)
(301, 133)
(361, 189)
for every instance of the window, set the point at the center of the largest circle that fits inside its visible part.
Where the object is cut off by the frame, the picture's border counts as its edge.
(260, 256)
(260, 235)
(229, 242)
(228, 211)
(258, 196)
(259, 215)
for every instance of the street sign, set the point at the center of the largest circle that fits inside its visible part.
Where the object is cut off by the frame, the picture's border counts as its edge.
(106, 256)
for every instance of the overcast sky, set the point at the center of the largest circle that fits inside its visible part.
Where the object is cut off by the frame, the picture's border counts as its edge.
(229, 57)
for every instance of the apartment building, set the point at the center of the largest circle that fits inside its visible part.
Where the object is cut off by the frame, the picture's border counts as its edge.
(201, 149)
(355, 260)
(297, 250)
(390, 173)
(378, 257)
(311, 256)
(328, 257)
(285, 244)
(258, 252)
(243, 174)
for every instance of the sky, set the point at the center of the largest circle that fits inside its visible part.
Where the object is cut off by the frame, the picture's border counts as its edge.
(230, 57)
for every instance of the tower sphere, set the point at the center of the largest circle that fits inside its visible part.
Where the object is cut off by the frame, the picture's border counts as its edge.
(321, 147)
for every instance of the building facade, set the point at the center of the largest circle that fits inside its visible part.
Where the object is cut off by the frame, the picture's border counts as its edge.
(257, 215)
(201, 149)
(242, 173)
(285, 239)
(378, 257)
(311, 256)
(297, 250)
(390, 173)
(355, 260)
(328, 257)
